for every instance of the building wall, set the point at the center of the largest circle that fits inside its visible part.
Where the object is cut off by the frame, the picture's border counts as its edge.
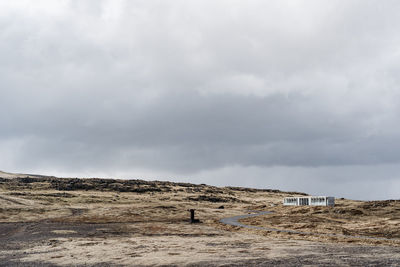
(309, 201)
(330, 201)
(291, 201)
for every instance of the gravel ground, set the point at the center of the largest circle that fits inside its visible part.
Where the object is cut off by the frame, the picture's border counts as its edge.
(17, 237)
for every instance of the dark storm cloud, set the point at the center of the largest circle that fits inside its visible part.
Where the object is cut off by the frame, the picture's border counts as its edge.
(194, 132)
(184, 88)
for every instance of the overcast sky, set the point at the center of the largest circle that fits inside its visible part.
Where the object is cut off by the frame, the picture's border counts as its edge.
(294, 95)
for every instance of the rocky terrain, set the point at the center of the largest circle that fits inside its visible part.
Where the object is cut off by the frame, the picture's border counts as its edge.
(50, 221)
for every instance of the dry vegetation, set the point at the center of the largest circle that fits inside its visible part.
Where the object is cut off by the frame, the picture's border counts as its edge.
(134, 222)
(377, 219)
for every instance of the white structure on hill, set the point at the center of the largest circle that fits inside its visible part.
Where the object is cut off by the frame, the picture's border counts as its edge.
(309, 201)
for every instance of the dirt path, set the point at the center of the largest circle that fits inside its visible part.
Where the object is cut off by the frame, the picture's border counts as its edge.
(234, 221)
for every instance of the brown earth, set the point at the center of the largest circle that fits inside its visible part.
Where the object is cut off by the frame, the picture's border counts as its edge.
(47, 221)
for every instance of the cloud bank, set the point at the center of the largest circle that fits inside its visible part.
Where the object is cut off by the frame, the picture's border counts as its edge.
(300, 95)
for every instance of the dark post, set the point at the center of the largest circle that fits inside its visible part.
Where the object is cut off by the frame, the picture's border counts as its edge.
(192, 219)
(192, 215)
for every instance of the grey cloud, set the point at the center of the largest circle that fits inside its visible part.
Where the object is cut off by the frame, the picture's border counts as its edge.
(188, 88)
(193, 132)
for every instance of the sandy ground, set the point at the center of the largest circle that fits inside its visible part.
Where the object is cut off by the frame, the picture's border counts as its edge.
(64, 222)
(205, 247)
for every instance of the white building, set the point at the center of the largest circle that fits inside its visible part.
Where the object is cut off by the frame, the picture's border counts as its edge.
(309, 201)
